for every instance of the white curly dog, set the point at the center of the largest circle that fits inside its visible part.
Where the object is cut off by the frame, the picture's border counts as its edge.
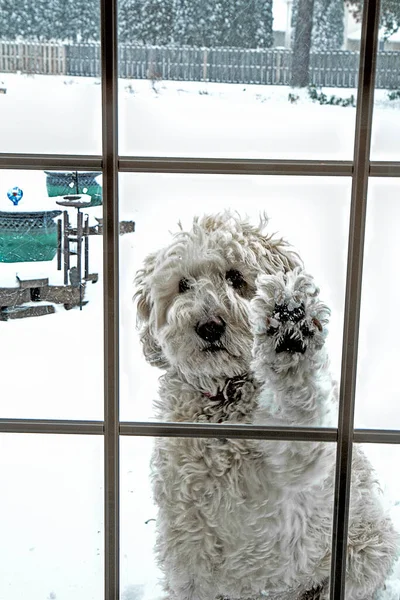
(239, 328)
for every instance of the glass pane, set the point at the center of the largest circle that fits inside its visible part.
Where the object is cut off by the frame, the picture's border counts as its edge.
(386, 122)
(312, 213)
(378, 350)
(51, 296)
(265, 79)
(52, 535)
(374, 567)
(218, 514)
(50, 77)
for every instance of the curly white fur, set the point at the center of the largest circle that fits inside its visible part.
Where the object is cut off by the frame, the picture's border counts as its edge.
(239, 518)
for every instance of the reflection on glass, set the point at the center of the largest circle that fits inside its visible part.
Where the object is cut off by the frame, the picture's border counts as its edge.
(226, 516)
(51, 294)
(373, 542)
(311, 213)
(272, 79)
(52, 525)
(379, 331)
(50, 100)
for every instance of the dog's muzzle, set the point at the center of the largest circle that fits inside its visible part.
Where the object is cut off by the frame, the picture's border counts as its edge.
(210, 329)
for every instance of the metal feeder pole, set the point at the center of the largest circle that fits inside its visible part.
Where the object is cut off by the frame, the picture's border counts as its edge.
(79, 252)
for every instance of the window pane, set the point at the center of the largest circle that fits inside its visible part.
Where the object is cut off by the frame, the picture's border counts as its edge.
(231, 79)
(386, 122)
(211, 515)
(45, 336)
(50, 89)
(375, 500)
(377, 403)
(312, 213)
(52, 530)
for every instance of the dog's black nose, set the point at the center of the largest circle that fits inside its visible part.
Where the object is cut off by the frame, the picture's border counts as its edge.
(210, 329)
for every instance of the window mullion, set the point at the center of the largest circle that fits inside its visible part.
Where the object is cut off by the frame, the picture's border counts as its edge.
(64, 162)
(234, 166)
(365, 99)
(196, 166)
(109, 67)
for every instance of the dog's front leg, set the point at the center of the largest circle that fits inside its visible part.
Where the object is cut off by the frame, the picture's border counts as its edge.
(289, 359)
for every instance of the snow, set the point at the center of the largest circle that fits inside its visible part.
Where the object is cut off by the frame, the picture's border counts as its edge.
(187, 119)
(196, 119)
(52, 531)
(52, 366)
(50, 114)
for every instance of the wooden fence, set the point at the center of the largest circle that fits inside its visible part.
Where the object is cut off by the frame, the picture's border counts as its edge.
(32, 58)
(223, 65)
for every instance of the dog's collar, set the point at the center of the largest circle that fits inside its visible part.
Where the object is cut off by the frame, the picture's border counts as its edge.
(231, 390)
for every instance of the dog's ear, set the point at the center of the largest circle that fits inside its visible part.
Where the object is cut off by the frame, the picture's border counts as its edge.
(144, 318)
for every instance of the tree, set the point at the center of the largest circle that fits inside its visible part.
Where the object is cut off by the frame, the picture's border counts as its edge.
(47, 20)
(232, 23)
(146, 21)
(199, 23)
(321, 27)
(235, 23)
(86, 18)
(16, 19)
(250, 24)
(390, 14)
(130, 20)
(328, 25)
(302, 43)
(157, 22)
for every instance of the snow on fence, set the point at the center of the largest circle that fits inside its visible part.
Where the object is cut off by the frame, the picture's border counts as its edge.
(272, 66)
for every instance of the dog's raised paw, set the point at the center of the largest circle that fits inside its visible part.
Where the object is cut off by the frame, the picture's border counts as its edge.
(287, 314)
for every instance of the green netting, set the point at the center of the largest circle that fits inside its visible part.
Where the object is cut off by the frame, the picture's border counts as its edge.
(28, 237)
(74, 182)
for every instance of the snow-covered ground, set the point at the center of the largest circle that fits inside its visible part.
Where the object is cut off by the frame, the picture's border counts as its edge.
(51, 367)
(41, 114)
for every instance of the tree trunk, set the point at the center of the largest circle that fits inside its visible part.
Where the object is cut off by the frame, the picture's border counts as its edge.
(302, 43)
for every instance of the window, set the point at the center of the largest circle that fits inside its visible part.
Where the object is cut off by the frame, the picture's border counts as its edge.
(135, 162)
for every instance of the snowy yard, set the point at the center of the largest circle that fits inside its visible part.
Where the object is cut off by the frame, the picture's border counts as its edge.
(51, 367)
(41, 114)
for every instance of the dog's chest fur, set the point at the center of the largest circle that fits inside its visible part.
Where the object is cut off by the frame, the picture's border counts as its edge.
(231, 401)
(218, 499)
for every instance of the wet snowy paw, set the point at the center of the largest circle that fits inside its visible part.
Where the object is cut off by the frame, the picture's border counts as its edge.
(287, 316)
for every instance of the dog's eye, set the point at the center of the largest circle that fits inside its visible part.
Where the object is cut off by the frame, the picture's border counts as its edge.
(184, 285)
(236, 279)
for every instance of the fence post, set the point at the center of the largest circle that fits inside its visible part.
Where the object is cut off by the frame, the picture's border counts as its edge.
(278, 68)
(205, 55)
(63, 60)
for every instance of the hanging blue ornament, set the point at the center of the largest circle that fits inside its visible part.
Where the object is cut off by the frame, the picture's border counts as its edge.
(15, 194)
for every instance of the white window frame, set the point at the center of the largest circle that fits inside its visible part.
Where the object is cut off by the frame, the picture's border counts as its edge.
(359, 169)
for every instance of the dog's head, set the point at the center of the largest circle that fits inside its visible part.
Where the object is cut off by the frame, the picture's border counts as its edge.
(193, 296)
